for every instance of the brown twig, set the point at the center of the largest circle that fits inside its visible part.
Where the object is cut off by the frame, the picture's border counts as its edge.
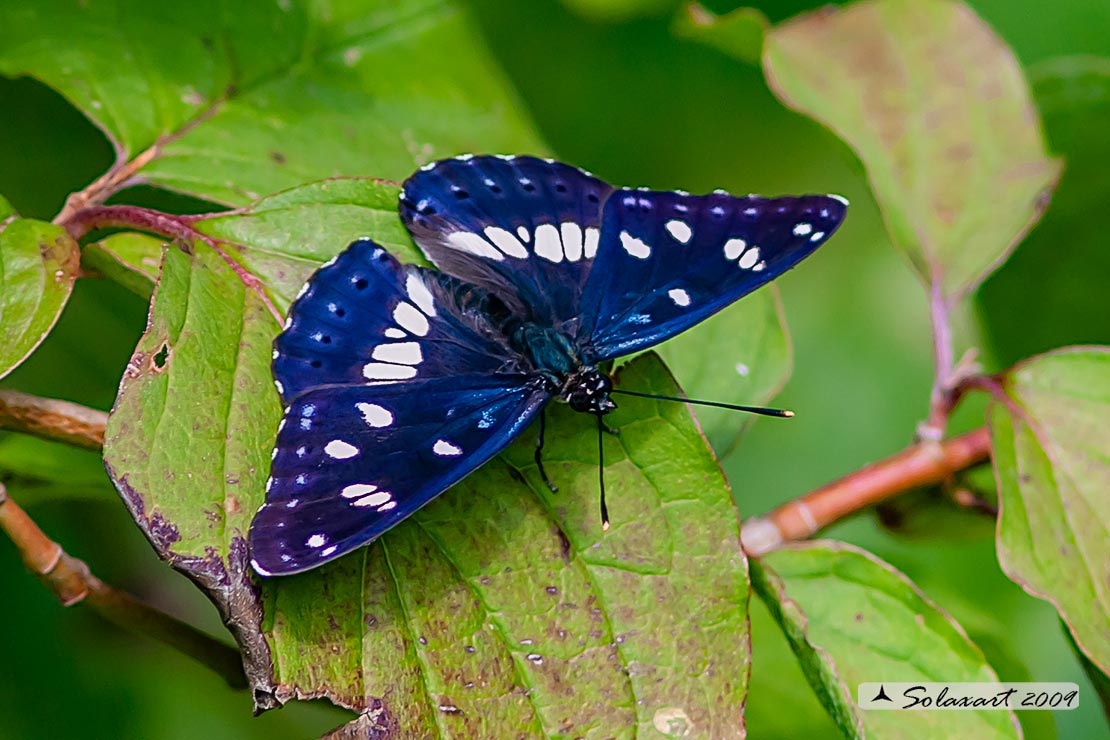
(922, 464)
(50, 418)
(70, 580)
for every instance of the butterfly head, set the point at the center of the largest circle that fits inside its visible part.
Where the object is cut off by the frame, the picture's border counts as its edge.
(587, 389)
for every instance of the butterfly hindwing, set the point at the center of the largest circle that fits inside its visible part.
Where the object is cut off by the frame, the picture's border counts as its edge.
(668, 260)
(525, 228)
(365, 317)
(352, 461)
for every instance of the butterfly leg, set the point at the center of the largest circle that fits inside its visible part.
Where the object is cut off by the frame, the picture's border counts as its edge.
(602, 427)
(539, 456)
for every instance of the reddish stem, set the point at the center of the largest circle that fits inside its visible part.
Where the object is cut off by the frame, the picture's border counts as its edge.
(922, 464)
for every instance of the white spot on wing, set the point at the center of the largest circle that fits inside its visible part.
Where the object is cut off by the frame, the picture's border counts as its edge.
(466, 241)
(634, 246)
(803, 228)
(357, 490)
(548, 244)
(750, 258)
(443, 448)
(524, 234)
(589, 249)
(840, 198)
(680, 297)
(408, 318)
(759, 267)
(388, 506)
(680, 230)
(328, 550)
(375, 415)
(506, 242)
(405, 353)
(340, 450)
(317, 540)
(383, 371)
(817, 236)
(420, 294)
(734, 248)
(572, 240)
(395, 333)
(280, 387)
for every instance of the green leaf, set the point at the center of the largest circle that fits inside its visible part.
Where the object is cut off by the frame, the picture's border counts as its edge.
(936, 108)
(750, 363)
(38, 265)
(128, 258)
(738, 33)
(263, 95)
(1052, 292)
(1050, 443)
(284, 237)
(6, 210)
(851, 618)
(498, 584)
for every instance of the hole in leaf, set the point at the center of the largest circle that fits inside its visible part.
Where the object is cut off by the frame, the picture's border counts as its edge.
(161, 358)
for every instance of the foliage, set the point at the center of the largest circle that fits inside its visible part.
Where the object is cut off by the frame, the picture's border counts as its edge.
(274, 134)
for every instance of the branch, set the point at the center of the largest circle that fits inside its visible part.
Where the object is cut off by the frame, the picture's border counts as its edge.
(922, 464)
(70, 580)
(52, 419)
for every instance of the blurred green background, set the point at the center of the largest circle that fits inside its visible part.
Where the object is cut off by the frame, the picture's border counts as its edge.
(619, 94)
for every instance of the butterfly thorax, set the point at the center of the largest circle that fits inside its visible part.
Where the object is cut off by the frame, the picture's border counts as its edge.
(582, 386)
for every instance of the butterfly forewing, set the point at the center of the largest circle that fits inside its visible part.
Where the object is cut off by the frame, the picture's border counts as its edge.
(668, 260)
(352, 461)
(525, 228)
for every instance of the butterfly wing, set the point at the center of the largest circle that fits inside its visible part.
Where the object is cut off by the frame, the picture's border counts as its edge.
(668, 260)
(352, 461)
(396, 386)
(367, 318)
(524, 228)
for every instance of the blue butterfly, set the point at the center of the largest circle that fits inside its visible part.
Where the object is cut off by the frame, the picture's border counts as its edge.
(400, 380)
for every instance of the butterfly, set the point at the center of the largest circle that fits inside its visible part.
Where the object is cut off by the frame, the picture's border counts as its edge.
(400, 380)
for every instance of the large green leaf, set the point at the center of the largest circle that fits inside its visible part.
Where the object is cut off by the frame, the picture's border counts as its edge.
(260, 95)
(38, 265)
(499, 606)
(284, 237)
(1050, 456)
(936, 107)
(851, 618)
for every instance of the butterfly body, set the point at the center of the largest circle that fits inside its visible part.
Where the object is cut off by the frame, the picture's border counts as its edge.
(400, 380)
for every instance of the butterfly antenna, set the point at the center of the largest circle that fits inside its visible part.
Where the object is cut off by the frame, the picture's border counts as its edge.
(601, 472)
(539, 457)
(783, 413)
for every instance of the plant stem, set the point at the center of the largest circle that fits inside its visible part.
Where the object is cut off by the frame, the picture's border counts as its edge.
(922, 464)
(50, 418)
(81, 221)
(940, 401)
(70, 580)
